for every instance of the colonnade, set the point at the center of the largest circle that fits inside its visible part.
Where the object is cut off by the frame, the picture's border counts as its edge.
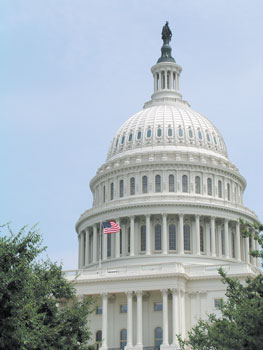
(209, 236)
(166, 79)
(178, 318)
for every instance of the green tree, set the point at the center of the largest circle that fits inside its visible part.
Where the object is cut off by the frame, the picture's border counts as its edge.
(240, 325)
(31, 295)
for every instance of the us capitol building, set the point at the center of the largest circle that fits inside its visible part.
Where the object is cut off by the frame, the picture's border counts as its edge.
(169, 184)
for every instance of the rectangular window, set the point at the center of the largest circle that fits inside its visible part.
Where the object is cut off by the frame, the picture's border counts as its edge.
(123, 308)
(218, 302)
(98, 310)
(158, 306)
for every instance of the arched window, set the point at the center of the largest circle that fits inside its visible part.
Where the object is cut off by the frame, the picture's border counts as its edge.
(116, 144)
(180, 132)
(144, 184)
(208, 137)
(158, 237)
(171, 183)
(220, 189)
(122, 139)
(121, 188)
(202, 245)
(228, 192)
(200, 136)
(158, 337)
(187, 237)
(98, 339)
(209, 186)
(132, 185)
(185, 183)
(172, 237)
(139, 135)
(143, 238)
(111, 191)
(123, 338)
(197, 185)
(159, 132)
(190, 133)
(157, 183)
(130, 137)
(149, 133)
(104, 194)
(108, 245)
(170, 132)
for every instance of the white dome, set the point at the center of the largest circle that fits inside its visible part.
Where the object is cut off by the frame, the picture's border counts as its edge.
(167, 127)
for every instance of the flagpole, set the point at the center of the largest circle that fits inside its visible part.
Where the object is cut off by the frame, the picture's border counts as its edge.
(100, 246)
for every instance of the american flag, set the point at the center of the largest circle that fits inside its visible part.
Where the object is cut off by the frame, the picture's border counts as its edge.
(110, 227)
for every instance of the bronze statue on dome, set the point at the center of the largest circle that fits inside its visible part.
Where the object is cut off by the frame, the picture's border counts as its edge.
(166, 33)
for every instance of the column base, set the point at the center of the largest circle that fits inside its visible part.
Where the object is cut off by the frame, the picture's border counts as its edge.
(165, 347)
(103, 347)
(138, 347)
(128, 347)
(175, 346)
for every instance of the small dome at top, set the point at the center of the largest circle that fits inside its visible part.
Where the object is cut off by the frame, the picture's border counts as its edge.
(167, 127)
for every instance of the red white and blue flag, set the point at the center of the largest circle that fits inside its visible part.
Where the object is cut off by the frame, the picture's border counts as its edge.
(110, 227)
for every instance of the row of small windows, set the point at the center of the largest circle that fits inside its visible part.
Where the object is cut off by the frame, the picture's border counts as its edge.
(158, 338)
(170, 133)
(185, 187)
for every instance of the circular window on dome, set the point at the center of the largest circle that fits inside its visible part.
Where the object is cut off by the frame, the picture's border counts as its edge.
(139, 135)
(190, 133)
(170, 132)
(159, 132)
(180, 132)
(117, 141)
(122, 139)
(200, 135)
(208, 137)
(149, 133)
(130, 137)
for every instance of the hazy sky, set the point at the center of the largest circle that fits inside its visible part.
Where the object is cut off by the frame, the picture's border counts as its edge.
(72, 71)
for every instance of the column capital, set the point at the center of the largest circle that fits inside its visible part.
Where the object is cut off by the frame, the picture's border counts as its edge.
(197, 216)
(129, 293)
(164, 291)
(104, 295)
(147, 215)
(181, 215)
(139, 292)
(174, 291)
(164, 215)
(132, 216)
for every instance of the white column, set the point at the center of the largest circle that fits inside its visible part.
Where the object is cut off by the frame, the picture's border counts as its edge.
(117, 241)
(182, 302)
(87, 247)
(104, 321)
(148, 234)
(124, 233)
(82, 250)
(247, 250)
(219, 240)
(175, 326)
(165, 318)
(95, 239)
(139, 344)
(164, 238)
(237, 241)
(132, 236)
(155, 82)
(207, 233)
(176, 82)
(171, 80)
(165, 79)
(253, 247)
(257, 259)
(129, 320)
(197, 234)
(181, 234)
(226, 232)
(213, 241)
(79, 255)
(104, 246)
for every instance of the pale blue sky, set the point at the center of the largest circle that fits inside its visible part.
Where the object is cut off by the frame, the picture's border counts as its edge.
(73, 71)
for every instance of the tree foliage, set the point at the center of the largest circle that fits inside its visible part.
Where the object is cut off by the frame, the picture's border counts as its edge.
(240, 325)
(31, 293)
